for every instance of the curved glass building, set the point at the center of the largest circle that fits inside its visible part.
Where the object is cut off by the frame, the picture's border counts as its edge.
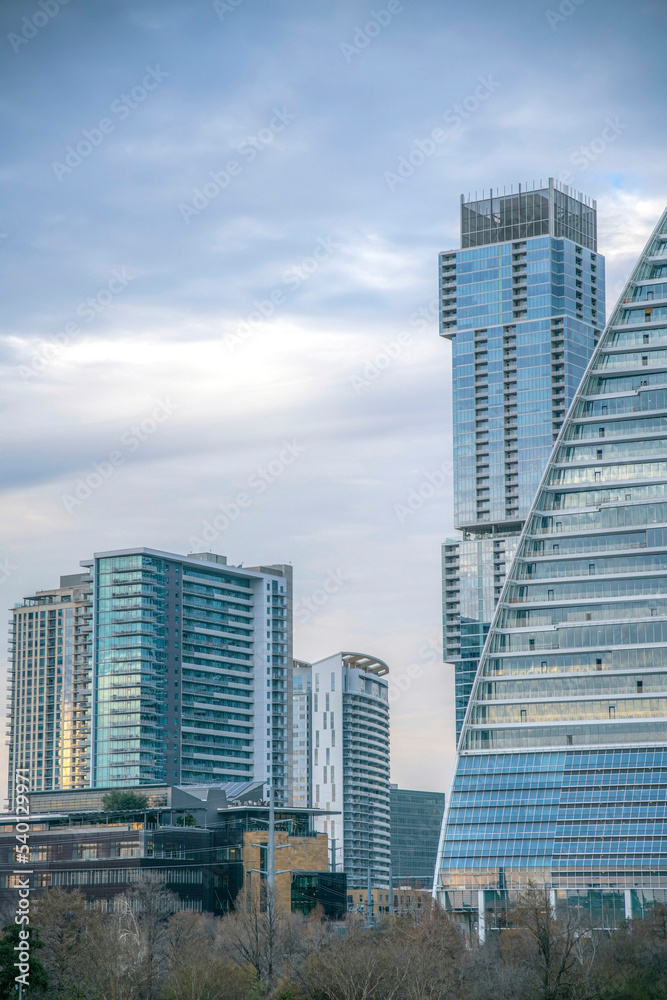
(561, 773)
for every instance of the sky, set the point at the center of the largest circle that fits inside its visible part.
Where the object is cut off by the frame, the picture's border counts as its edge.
(218, 262)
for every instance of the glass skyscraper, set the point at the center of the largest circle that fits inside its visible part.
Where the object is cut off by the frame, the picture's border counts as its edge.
(416, 819)
(191, 671)
(561, 774)
(49, 687)
(302, 715)
(523, 303)
(155, 667)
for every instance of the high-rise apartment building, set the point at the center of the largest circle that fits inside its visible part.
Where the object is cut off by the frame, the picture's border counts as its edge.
(187, 671)
(561, 775)
(523, 302)
(348, 771)
(50, 687)
(302, 709)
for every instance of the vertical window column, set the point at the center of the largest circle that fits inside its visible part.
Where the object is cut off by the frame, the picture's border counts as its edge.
(557, 376)
(482, 424)
(519, 281)
(447, 291)
(510, 423)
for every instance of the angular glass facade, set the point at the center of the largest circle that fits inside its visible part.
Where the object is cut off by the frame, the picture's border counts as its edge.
(561, 775)
(523, 313)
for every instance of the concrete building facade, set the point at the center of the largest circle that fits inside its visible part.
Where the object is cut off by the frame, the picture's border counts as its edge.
(350, 763)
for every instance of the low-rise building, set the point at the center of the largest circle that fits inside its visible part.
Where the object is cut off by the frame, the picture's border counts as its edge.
(408, 899)
(205, 841)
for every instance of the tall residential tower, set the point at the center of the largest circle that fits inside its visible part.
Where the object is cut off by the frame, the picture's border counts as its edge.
(50, 687)
(349, 773)
(523, 302)
(561, 775)
(155, 667)
(302, 714)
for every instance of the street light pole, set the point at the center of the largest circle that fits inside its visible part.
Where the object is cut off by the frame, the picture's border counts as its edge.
(391, 888)
(271, 851)
(271, 857)
(369, 901)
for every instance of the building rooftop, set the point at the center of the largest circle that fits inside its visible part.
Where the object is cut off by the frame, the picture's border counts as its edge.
(371, 664)
(546, 210)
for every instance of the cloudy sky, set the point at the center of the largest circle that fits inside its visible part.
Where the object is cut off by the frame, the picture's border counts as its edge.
(218, 217)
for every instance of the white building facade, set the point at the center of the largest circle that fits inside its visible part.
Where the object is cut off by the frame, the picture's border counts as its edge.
(350, 763)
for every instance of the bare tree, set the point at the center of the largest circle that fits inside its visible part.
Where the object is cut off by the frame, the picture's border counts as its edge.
(63, 920)
(357, 966)
(555, 945)
(267, 938)
(196, 969)
(426, 953)
(487, 975)
(115, 969)
(146, 909)
(631, 963)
